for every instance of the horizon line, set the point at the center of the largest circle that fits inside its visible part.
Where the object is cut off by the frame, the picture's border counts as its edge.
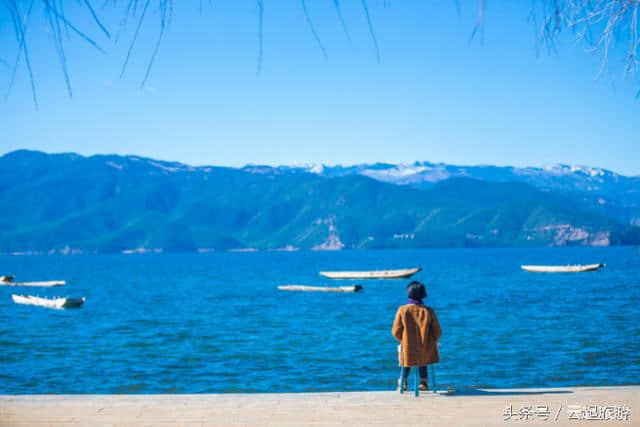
(309, 165)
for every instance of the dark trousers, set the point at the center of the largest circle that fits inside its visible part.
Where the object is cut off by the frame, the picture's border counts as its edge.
(423, 372)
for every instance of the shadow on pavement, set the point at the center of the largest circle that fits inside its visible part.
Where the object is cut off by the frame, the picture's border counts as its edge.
(485, 392)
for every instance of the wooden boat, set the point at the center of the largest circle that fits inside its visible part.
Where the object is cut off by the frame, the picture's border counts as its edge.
(354, 288)
(48, 302)
(46, 284)
(562, 268)
(375, 274)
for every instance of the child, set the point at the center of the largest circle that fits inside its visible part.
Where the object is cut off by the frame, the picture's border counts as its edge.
(417, 329)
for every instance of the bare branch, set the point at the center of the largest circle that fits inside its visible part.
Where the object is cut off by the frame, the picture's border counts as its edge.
(336, 5)
(370, 26)
(135, 35)
(597, 23)
(163, 21)
(479, 22)
(312, 28)
(260, 17)
(600, 24)
(96, 19)
(20, 28)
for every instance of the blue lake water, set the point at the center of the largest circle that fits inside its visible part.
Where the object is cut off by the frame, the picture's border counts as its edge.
(195, 323)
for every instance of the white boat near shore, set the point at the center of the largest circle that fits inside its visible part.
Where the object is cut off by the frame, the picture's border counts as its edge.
(48, 302)
(374, 274)
(303, 288)
(579, 268)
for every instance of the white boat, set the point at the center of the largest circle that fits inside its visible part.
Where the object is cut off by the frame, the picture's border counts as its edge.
(303, 288)
(8, 281)
(46, 284)
(48, 302)
(375, 274)
(562, 268)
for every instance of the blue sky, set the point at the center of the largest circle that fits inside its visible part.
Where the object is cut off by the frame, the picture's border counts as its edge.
(433, 96)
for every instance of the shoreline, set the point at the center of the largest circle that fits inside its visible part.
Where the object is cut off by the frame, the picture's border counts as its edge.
(209, 251)
(473, 407)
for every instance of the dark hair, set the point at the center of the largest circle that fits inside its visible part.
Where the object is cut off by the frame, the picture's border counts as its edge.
(416, 290)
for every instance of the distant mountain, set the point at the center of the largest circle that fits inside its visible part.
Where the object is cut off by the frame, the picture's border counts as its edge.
(607, 192)
(67, 202)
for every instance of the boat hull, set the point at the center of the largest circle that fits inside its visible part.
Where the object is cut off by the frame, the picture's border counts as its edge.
(375, 274)
(47, 302)
(562, 268)
(302, 288)
(46, 284)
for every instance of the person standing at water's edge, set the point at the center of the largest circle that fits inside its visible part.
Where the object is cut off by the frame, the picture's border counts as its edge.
(417, 329)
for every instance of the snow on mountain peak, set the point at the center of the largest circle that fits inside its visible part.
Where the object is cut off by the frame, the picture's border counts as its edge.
(562, 169)
(399, 171)
(316, 168)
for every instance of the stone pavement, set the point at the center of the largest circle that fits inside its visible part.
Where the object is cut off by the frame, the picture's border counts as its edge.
(505, 407)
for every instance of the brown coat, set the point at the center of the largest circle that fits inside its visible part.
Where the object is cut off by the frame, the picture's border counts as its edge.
(418, 330)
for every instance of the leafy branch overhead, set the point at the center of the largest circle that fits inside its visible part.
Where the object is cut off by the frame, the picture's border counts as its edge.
(598, 25)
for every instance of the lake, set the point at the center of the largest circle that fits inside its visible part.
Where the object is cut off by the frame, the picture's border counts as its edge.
(215, 322)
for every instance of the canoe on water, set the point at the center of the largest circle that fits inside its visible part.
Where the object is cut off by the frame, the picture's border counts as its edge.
(355, 288)
(562, 268)
(48, 302)
(46, 284)
(374, 274)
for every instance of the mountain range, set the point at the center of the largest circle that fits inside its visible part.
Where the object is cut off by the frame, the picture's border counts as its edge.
(108, 203)
(609, 193)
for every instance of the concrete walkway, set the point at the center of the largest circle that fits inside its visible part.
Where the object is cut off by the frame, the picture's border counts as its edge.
(516, 407)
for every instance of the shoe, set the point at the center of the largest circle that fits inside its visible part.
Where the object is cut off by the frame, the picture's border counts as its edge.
(423, 386)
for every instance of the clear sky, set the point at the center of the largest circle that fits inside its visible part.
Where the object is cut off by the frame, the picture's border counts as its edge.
(432, 96)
